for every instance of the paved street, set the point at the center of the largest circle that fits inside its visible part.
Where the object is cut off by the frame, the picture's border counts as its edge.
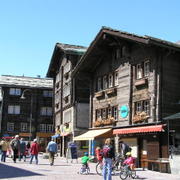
(63, 171)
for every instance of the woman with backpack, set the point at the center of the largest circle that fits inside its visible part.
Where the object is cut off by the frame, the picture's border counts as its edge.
(108, 155)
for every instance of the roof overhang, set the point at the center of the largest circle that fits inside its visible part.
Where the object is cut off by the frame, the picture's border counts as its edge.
(172, 117)
(142, 129)
(92, 134)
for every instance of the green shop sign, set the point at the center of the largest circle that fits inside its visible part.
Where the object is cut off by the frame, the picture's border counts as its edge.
(124, 111)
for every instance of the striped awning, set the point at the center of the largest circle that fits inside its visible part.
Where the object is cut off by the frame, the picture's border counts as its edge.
(142, 129)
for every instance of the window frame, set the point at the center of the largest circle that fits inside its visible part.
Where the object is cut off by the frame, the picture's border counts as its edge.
(24, 127)
(15, 91)
(10, 126)
(14, 109)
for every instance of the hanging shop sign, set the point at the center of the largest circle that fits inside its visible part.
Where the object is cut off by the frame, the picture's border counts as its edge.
(124, 111)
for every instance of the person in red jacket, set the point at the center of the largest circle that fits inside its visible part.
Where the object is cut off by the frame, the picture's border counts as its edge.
(34, 151)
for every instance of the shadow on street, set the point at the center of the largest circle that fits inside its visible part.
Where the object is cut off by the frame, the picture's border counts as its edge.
(7, 171)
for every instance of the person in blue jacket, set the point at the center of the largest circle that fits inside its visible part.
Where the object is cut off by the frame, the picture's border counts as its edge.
(52, 150)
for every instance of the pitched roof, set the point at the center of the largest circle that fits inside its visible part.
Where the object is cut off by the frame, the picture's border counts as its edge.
(106, 31)
(22, 81)
(61, 49)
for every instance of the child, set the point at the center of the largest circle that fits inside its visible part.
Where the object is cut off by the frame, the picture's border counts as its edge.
(85, 159)
(99, 154)
(130, 161)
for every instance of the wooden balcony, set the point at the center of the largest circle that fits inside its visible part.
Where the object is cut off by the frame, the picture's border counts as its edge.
(140, 82)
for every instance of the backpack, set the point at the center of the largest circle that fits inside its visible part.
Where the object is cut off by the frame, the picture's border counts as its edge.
(106, 151)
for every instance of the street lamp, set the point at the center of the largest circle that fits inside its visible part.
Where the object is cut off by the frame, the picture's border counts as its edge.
(30, 123)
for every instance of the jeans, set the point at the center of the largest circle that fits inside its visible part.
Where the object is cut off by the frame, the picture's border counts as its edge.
(107, 168)
(51, 157)
(32, 157)
(3, 156)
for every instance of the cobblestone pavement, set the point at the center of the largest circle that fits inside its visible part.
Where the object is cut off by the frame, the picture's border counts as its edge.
(64, 171)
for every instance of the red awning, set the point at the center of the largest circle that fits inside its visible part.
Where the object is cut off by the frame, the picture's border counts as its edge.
(142, 129)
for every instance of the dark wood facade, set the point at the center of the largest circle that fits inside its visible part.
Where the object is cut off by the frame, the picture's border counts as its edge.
(140, 74)
(71, 97)
(31, 117)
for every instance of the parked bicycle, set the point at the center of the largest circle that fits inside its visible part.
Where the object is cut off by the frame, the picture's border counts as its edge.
(126, 171)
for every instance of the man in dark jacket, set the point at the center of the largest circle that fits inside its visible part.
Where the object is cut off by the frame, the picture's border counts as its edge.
(15, 145)
(22, 150)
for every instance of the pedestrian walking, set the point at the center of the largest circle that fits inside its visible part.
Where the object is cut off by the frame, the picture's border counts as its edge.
(34, 151)
(15, 145)
(4, 147)
(108, 155)
(52, 150)
(22, 153)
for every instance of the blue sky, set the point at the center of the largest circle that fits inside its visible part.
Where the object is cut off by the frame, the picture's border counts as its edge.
(29, 29)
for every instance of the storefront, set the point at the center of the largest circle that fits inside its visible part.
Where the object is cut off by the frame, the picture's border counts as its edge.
(92, 139)
(173, 125)
(147, 142)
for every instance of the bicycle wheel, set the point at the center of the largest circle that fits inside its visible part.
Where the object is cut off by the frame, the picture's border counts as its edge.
(123, 174)
(87, 170)
(99, 168)
(133, 174)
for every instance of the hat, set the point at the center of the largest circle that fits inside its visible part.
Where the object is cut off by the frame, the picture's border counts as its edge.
(35, 140)
(128, 153)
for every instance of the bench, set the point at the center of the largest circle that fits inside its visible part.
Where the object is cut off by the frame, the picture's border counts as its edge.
(152, 162)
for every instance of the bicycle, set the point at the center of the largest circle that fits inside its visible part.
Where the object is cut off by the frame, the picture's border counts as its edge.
(126, 171)
(117, 163)
(84, 169)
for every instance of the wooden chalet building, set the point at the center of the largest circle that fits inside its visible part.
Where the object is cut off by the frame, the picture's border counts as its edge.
(134, 84)
(26, 108)
(71, 105)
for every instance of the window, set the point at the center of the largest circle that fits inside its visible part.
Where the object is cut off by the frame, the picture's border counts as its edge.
(105, 83)
(104, 113)
(42, 128)
(143, 106)
(10, 127)
(13, 109)
(109, 112)
(15, 91)
(47, 93)
(139, 72)
(46, 111)
(99, 84)
(24, 127)
(139, 106)
(115, 114)
(146, 107)
(116, 78)
(142, 70)
(110, 80)
(98, 113)
(146, 68)
(49, 128)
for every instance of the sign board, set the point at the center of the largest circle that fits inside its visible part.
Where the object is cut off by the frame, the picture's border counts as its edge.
(124, 111)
